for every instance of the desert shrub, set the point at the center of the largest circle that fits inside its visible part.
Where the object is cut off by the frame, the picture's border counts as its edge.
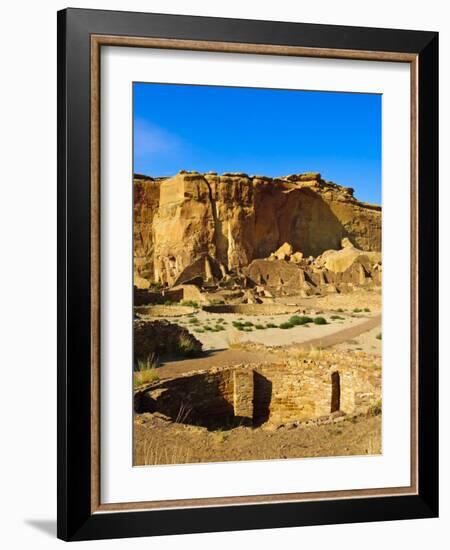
(287, 325)
(260, 327)
(194, 321)
(367, 309)
(150, 362)
(199, 330)
(189, 303)
(300, 320)
(378, 336)
(144, 377)
(248, 324)
(271, 325)
(247, 329)
(340, 310)
(320, 321)
(145, 370)
(357, 310)
(186, 347)
(336, 317)
(207, 327)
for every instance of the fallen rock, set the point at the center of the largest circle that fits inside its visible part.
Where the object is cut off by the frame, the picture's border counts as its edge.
(283, 253)
(339, 261)
(297, 257)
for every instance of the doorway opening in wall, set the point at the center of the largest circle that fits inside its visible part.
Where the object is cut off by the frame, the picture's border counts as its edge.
(335, 391)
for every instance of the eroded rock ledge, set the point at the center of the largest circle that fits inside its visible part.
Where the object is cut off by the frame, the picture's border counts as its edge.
(224, 222)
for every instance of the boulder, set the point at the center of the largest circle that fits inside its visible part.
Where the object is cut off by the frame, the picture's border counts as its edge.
(339, 261)
(297, 257)
(283, 253)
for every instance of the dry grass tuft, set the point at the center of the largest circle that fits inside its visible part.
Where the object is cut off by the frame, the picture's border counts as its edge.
(156, 453)
(235, 341)
(145, 370)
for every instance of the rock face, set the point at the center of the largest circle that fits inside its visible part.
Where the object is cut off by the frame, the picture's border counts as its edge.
(223, 223)
(145, 202)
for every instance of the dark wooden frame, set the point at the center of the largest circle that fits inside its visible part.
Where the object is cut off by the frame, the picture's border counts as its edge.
(81, 33)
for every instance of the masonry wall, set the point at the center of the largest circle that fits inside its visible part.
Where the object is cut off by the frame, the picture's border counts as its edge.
(191, 399)
(276, 393)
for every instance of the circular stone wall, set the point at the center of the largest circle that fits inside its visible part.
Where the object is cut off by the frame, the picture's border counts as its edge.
(163, 311)
(254, 394)
(253, 309)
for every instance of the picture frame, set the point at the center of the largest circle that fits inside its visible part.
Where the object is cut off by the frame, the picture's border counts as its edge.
(81, 36)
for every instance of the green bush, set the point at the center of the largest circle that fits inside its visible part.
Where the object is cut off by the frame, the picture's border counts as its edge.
(260, 327)
(194, 321)
(357, 310)
(271, 325)
(378, 336)
(286, 325)
(340, 310)
(320, 321)
(367, 309)
(300, 320)
(336, 317)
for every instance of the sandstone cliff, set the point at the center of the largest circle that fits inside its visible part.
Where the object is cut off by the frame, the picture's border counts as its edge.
(227, 221)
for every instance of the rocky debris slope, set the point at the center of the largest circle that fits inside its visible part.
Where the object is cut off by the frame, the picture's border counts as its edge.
(216, 224)
(286, 272)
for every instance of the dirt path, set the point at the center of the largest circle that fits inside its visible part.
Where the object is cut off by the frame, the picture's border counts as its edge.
(219, 358)
(222, 358)
(343, 335)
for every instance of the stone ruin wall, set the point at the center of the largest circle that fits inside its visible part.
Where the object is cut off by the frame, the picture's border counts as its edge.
(261, 393)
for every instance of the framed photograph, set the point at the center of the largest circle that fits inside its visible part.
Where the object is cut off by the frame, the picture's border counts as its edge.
(247, 263)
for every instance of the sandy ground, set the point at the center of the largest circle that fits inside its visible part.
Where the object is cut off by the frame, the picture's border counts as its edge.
(368, 341)
(161, 442)
(353, 338)
(230, 336)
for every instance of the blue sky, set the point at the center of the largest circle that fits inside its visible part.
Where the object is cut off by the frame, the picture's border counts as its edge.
(259, 131)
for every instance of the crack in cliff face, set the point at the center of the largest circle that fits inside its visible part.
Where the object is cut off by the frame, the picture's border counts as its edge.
(221, 252)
